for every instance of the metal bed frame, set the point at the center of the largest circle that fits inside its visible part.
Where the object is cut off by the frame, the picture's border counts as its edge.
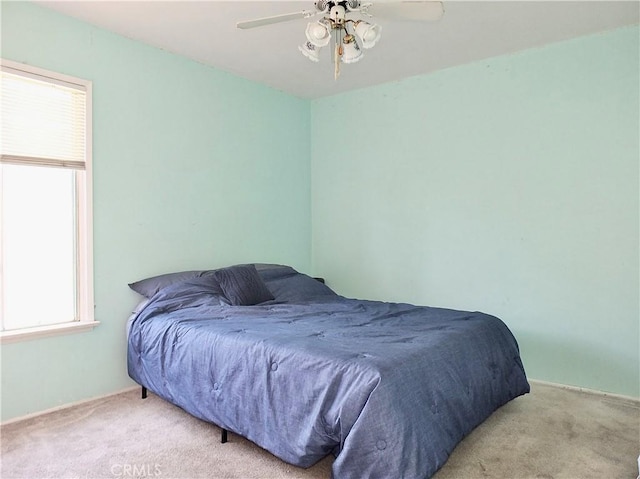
(224, 432)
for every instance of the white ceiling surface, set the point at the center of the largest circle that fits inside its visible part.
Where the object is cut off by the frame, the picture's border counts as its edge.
(206, 31)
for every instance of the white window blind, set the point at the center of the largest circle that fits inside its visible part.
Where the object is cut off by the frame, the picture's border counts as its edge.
(43, 121)
(46, 267)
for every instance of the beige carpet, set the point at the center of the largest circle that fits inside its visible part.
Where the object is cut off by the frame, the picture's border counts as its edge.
(550, 433)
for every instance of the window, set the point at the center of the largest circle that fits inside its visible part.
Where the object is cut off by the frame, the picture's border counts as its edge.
(46, 276)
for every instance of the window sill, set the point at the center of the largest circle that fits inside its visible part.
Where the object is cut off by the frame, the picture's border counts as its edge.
(46, 331)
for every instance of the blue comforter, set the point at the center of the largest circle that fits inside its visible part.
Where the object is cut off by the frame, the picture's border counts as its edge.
(389, 389)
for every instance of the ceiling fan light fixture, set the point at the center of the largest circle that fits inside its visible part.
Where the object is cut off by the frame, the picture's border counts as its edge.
(351, 52)
(346, 36)
(367, 33)
(319, 33)
(310, 51)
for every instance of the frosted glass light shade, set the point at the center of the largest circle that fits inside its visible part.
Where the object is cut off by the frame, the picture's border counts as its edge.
(351, 51)
(367, 33)
(310, 51)
(318, 33)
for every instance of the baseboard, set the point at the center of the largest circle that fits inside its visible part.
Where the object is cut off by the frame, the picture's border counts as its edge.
(67, 405)
(132, 388)
(585, 390)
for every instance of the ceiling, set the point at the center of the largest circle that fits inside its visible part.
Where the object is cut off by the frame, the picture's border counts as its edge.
(205, 31)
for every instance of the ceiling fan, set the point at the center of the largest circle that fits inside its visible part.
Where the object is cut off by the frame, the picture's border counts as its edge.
(350, 36)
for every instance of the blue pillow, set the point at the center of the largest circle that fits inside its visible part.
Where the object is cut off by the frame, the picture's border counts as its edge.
(242, 285)
(148, 287)
(206, 285)
(296, 287)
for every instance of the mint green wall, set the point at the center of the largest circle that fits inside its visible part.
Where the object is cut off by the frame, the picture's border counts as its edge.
(508, 186)
(193, 168)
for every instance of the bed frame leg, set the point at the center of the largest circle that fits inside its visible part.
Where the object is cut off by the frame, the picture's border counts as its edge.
(223, 438)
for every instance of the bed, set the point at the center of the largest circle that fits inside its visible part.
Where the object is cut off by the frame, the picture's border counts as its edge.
(278, 357)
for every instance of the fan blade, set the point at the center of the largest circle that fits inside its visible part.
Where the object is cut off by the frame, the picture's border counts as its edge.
(275, 19)
(418, 10)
